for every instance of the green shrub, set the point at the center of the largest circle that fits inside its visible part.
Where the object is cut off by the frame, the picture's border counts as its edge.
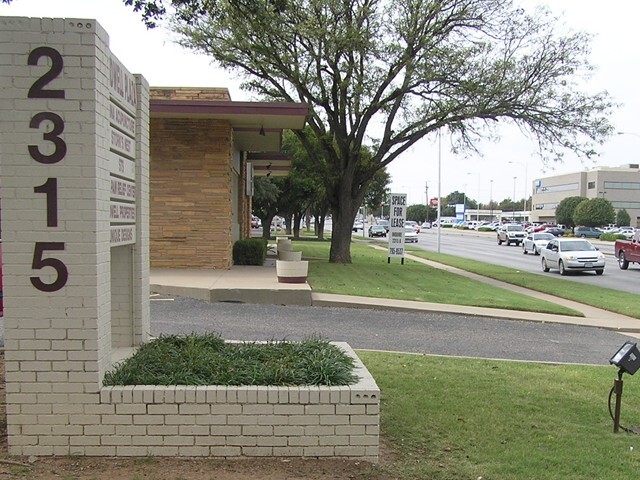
(205, 359)
(250, 251)
(485, 229)
(612, 237)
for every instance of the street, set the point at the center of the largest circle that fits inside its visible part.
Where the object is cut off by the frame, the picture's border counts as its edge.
(482, 246)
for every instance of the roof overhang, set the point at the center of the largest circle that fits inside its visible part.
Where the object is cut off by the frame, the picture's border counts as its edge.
(270, 164)
(257, 126)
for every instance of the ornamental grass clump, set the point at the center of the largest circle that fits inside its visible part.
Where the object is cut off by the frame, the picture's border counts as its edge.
(205, 359)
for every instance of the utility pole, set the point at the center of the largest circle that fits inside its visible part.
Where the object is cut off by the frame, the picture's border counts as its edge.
(426, 194)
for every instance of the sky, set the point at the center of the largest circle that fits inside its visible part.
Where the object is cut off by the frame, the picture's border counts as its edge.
(615, 54)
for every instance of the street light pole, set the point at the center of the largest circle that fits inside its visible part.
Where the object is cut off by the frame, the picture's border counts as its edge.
(526, 187)
(513, 202)
(478, 199)
(439, 184)
(491, 198)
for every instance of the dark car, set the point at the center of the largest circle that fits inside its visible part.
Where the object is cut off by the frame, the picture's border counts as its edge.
(377, 231)
(587, 232)
(384, 223)
(555, 231)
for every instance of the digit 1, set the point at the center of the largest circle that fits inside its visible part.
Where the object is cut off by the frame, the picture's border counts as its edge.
(50, 188)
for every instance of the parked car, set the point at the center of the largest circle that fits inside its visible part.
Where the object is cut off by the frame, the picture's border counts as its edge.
(410, 235)
(384, 223)
(534, 242)
(628, 232)
(572, 254)
(587, 232)
(555, 231)
(377, 231)
(511, 233)
(628, 251)
(426, 225)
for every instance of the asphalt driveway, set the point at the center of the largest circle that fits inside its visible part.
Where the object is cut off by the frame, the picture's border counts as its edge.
(425, 333)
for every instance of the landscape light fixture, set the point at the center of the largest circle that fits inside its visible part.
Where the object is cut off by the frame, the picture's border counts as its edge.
(627, 359)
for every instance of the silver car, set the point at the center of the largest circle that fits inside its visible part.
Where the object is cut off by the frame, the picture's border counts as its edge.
(572, 254)
(534, 242)
(511, 233)
(410, 234)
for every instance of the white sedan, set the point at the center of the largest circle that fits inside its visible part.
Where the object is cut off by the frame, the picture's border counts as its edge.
(410, 235)
(536, 241)
(572, 254)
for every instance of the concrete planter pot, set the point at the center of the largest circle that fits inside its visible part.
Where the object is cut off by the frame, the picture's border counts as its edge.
(289, 256)
(284, 245)
(292, 271)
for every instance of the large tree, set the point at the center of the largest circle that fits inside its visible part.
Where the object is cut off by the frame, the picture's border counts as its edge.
(594, 212)
(566, 208)
(623, 218)
(386, 73)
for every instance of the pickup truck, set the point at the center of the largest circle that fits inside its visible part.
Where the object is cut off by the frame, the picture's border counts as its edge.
(628, 251)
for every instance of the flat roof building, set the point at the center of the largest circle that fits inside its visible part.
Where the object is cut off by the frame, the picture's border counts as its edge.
(619, 185)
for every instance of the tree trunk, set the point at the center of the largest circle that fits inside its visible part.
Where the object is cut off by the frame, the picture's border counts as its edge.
(342, 220)
(266, 226)
(297, 219)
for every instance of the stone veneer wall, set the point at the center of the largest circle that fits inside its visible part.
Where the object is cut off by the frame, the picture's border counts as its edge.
(213, 421)
(190, 191)
(190, 93)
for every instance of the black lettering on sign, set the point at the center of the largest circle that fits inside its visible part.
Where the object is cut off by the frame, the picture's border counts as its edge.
(39, 263)
(50, 188)
(37, 90)
(52, 136)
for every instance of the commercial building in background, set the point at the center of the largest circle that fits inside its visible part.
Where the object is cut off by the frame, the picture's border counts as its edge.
(619, 185)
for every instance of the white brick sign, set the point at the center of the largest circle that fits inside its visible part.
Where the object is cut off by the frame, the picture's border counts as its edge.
(74, 171)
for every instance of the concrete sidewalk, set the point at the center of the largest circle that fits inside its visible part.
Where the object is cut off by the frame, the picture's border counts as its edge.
(259, 285)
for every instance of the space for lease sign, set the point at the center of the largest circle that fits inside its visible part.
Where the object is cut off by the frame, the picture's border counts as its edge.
(398, 204)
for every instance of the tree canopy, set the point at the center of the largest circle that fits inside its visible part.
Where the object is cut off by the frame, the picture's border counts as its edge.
(623, 218)
(594, 212)
(565, 210)
(385, 74)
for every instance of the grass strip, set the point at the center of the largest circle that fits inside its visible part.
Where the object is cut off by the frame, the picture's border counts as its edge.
(606, 298)
(205, 359)
(369, 275)
(451, 418)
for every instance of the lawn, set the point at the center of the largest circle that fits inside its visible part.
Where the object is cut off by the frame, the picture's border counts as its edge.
(450, 418)
(606, 298)
(371, 276)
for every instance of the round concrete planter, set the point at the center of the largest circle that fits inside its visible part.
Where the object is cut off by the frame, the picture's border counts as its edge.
(292, 271)
(284, 245)
(289, 256)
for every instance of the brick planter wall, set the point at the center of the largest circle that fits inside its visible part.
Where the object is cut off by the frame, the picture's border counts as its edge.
(216, 421)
